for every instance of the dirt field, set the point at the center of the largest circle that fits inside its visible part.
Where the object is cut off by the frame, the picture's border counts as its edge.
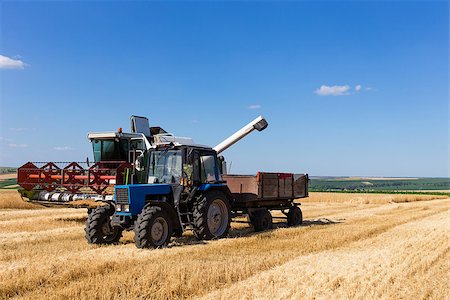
(363, 248)
(8, 176)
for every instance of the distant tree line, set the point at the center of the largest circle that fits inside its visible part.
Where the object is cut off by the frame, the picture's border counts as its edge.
(5, 170)
(380, 185)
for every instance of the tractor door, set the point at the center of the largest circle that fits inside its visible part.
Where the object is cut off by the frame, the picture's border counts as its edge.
(139, 157)
(205, 168)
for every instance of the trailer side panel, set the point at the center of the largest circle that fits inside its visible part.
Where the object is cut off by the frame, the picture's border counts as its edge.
(267, 189)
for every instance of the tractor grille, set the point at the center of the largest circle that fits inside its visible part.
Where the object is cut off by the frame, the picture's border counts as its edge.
(122, 195)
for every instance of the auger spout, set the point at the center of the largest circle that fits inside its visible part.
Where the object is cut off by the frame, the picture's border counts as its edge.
(259, 124)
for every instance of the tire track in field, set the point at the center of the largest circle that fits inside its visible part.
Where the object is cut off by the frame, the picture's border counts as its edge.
(413, 266)
(9, 214)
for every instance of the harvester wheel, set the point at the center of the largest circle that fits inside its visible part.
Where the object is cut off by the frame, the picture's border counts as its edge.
(153, 228)
(294, 216)
(212, 216)
(261, 220)
(98, 226)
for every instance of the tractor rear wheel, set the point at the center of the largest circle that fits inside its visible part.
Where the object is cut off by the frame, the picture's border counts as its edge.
(261, 220)
(98, 226)
(212, 216)
(153, 228)
(294, 216)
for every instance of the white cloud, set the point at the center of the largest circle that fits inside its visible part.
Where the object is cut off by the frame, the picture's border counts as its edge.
(358, 88)
(18, 145)
(62, 148)
(10, 63)
(254, 106)
(335, 90)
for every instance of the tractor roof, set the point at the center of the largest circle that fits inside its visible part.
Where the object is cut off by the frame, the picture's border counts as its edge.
(169, 139)
(112, 135)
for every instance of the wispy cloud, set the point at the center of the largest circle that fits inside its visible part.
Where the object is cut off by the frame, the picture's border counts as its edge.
(3, 139)
(254, 106)
(62, 148)
(19, 129)
(341, 90)
(11, 63)
(18, 145)
(335, 90)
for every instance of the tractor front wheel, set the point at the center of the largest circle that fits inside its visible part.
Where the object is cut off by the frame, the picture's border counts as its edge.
(98, 226)
(153, 228)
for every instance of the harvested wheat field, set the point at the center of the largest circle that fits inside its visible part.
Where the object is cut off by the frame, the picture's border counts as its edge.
(365, 247)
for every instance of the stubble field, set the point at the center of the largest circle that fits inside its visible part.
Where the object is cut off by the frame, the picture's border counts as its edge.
(350, 246)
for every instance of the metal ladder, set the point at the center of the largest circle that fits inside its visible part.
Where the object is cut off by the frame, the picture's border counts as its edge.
(188, 216)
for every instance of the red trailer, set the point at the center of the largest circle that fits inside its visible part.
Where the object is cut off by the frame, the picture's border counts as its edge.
(256, 195)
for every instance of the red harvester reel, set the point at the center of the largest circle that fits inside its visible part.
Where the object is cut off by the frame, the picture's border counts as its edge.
(73, 177)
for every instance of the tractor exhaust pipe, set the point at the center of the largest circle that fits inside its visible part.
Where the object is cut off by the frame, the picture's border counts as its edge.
(259, 124)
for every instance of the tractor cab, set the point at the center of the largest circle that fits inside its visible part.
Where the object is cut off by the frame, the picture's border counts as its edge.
(178, 177)
(185, 165)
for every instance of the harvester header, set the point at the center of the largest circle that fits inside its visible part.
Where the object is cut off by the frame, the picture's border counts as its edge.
(77, 181)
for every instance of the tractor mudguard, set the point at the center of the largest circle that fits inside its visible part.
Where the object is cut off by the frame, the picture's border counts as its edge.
(170, 210)
(216, 187)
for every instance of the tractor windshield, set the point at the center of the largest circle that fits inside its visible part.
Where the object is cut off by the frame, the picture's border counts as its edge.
(110, 150)
(166, 166)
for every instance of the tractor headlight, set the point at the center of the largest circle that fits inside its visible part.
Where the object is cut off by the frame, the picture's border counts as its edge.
(126, 208)
(118, 207)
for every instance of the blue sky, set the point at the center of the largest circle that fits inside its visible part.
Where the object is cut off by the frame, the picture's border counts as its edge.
(348, 88)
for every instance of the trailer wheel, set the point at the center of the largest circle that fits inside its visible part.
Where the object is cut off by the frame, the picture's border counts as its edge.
(153, 228)
(98, 226)
(261, 220)
(294, 216)
(212, 216)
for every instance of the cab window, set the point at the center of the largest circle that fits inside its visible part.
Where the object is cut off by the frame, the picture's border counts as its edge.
(208, 168)
(110, 150)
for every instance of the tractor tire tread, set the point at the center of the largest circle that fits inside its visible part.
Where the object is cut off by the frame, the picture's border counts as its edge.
(199, 214)
(141, 234)
(93, 222)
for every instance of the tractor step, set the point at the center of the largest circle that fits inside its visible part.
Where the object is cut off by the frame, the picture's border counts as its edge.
(185, 219)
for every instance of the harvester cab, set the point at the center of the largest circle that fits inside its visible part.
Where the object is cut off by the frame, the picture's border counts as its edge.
(121, 147)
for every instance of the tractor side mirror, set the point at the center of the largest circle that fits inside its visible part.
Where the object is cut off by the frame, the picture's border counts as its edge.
(222, 165)
(139, 163)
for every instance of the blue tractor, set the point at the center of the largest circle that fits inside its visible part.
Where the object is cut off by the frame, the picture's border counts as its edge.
(179, 187)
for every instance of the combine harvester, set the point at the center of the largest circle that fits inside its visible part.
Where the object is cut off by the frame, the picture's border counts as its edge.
(160, 185)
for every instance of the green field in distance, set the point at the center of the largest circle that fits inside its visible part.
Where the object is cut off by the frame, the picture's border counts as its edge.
(370, 184)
